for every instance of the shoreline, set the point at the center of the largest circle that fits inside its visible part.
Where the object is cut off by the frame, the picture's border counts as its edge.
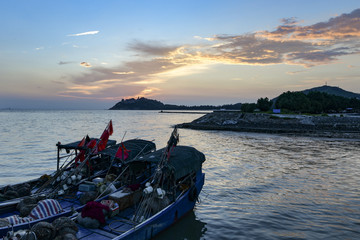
(295, 125)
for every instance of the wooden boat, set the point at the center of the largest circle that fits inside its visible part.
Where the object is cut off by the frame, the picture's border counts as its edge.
(160, 201)
(14, 193)
(142, 220)
(97, 166)
(87, 151)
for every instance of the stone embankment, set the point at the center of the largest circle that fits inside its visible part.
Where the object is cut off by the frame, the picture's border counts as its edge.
(317, 126)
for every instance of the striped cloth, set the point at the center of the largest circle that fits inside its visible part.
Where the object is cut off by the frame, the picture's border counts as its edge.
(46, 208)
(16, 219)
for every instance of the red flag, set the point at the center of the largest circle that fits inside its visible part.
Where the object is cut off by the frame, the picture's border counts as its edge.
(80, 157)
(122, 152)
(91, 144)
(82, 142)
(103, 141)
(110, 128)
(105, 137)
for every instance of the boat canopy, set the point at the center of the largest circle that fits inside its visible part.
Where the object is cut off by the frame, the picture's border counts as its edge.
(137, 146)
(75, 145)
(183, 160)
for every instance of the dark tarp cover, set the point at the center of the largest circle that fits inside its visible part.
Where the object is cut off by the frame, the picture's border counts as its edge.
(136, 147)
(183, 160)
(74, 145)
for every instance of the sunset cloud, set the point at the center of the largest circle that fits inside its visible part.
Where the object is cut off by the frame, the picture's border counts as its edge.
(152, 48)
(290, 43)
(338, 29)
(320, 43)
(123, 73)
(85, 64)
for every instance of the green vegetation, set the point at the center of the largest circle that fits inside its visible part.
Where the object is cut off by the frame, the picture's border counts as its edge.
(320, 100)
(149, 104)
(248, 107)
(264, 104)
(315, 102)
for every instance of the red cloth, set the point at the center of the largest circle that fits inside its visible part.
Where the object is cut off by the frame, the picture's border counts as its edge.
(103, 141)
(82, 142)
(110, 128)
(91, 144)
(95, 210)
(122, 152)
(134, 187)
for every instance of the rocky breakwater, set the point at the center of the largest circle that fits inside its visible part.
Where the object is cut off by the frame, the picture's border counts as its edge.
(304, 125)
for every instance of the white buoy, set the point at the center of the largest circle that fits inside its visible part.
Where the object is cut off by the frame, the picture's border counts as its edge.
(148, 190)
(160, 193)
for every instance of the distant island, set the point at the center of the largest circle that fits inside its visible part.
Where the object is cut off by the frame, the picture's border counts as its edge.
(150, 104)
(334, 113)
(324, 99)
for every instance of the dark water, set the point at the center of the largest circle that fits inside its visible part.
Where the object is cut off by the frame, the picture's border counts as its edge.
(257, 186)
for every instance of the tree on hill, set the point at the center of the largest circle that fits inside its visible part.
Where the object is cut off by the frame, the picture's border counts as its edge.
(264, 104)
(315, 102)
(248, 107)
(293, 101)
(149, 104)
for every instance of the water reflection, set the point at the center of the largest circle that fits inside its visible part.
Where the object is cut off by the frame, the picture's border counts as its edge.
(257, 186)
(188, 227)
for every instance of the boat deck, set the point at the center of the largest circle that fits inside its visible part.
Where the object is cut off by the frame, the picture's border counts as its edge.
(113, 227)
(67, 203)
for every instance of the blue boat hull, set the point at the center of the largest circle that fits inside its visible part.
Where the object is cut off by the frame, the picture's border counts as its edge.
(168, 216)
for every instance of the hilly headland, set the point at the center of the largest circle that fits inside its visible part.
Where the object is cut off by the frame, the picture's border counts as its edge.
(320, 112)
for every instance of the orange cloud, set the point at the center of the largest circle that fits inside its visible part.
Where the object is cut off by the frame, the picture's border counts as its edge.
(85, 64)
(290, 43)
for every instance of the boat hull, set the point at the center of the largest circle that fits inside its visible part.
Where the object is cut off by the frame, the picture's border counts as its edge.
(166, 217)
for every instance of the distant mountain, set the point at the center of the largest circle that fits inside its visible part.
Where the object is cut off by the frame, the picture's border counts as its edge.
(138, 104)
(149, 104)
(333, 91)
(326, 89)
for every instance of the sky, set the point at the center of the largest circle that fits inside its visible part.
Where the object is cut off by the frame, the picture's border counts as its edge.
(91, 54)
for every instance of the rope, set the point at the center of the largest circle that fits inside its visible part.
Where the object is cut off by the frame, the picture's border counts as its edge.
(112, 182)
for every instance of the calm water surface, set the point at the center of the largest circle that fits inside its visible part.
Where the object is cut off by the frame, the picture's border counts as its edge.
(257, 186)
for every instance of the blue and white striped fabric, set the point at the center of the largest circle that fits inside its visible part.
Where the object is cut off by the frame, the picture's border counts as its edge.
(46, 208)
(16, 219)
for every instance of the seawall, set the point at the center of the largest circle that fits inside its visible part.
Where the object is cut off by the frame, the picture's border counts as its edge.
(303, 125)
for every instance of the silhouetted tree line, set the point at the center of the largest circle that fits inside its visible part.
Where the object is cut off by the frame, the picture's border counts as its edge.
(315, 102)
(150, 104)
(263, 104)
(312, 102)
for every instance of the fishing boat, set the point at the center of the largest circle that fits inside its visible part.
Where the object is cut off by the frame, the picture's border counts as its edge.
(159, 207)
(160, 201)
(91, 175)
(65, 203)
(12, 194)
(86, 153)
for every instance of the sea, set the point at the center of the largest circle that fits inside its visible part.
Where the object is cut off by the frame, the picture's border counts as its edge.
(257, 186)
